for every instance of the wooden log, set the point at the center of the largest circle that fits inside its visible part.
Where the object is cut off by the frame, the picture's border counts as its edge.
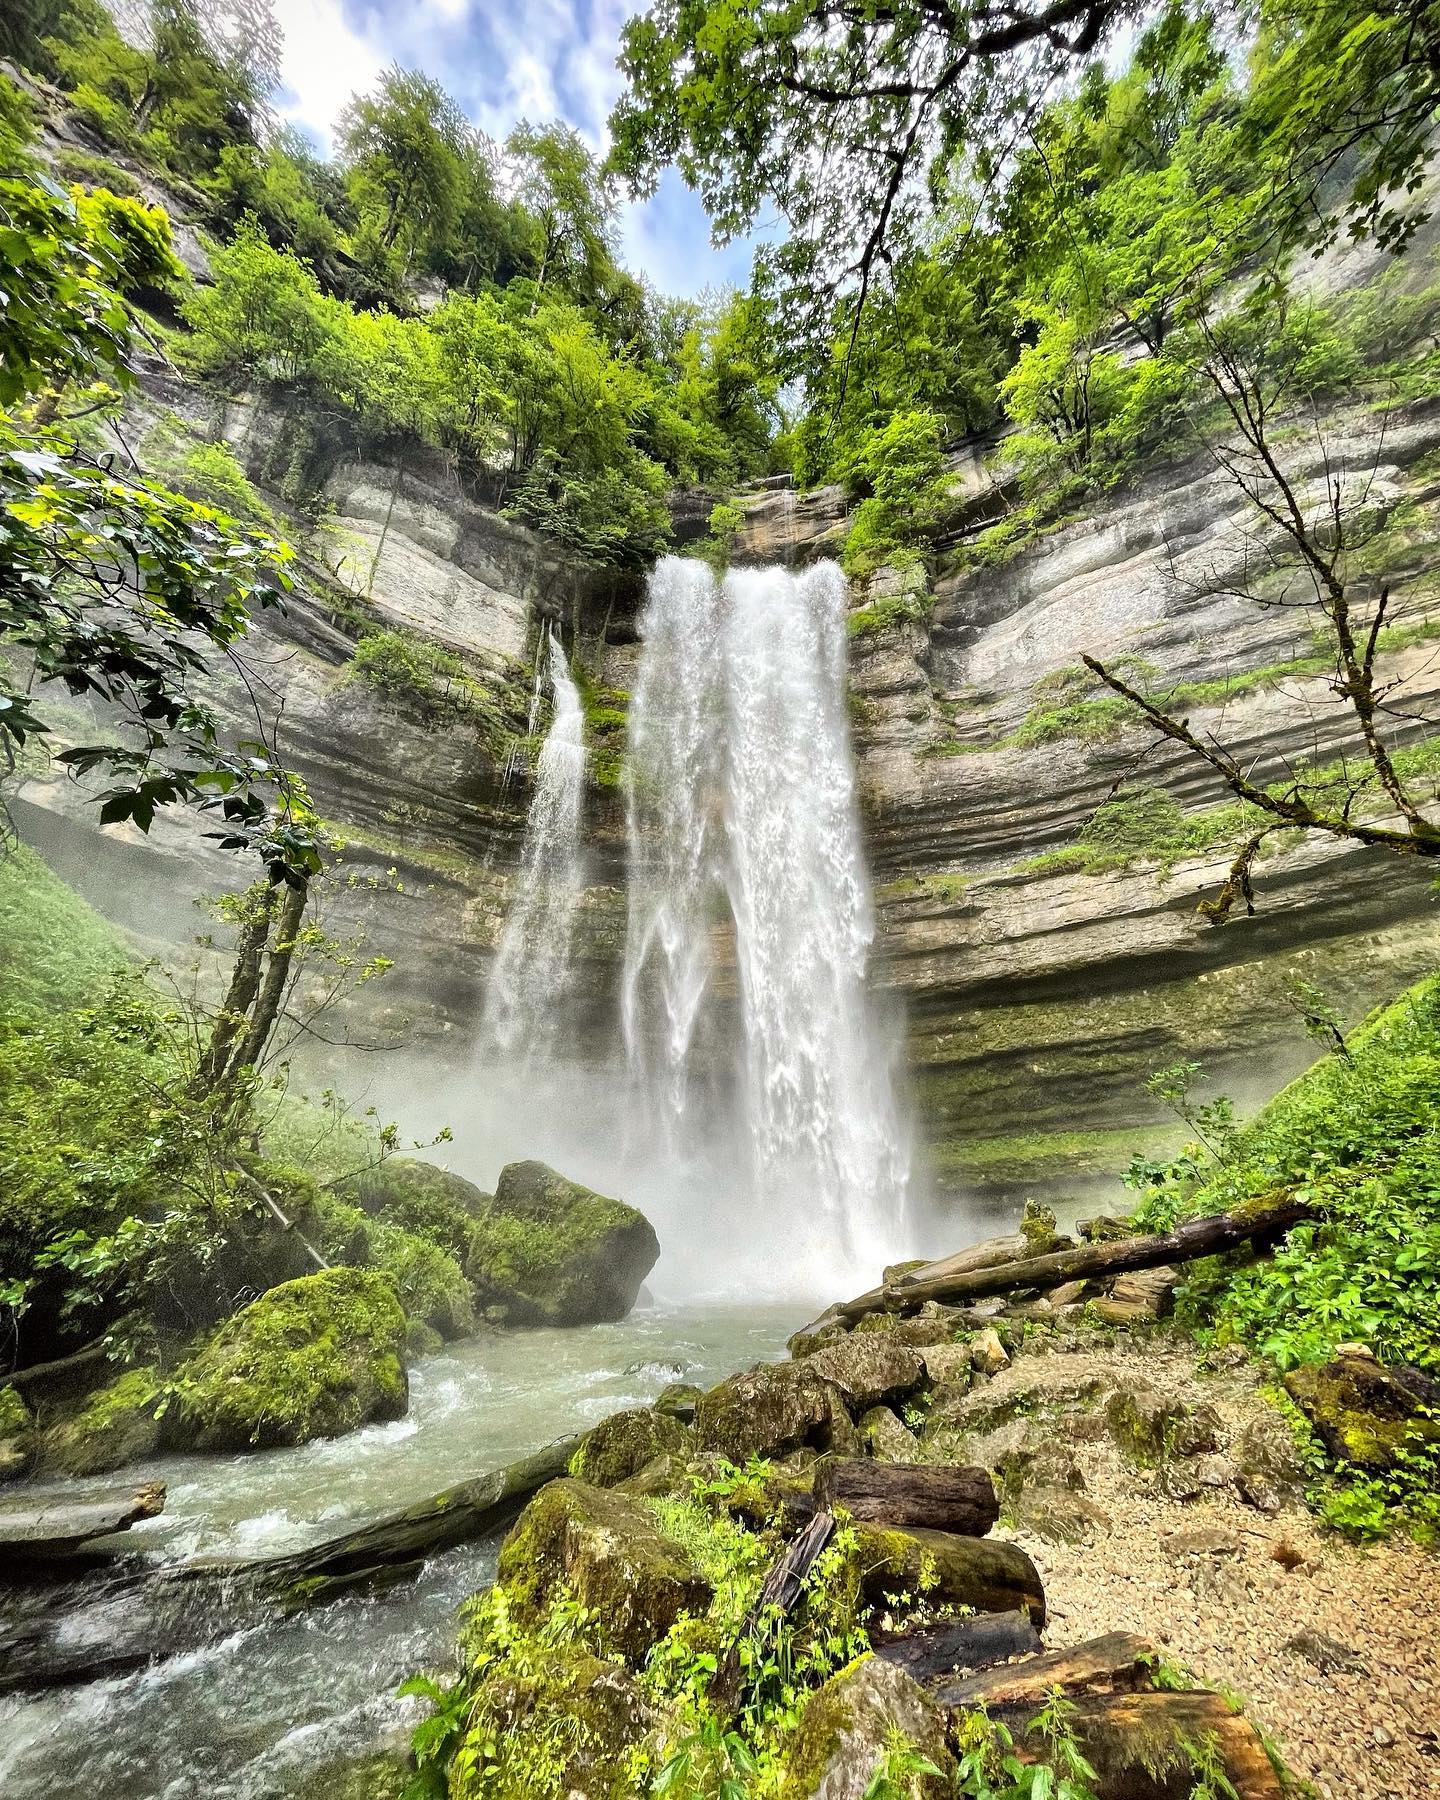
(57, 1526)
(59, 1372)
(943, 1499)
(394, 1548)
(1142, 1746)
(939, 1651)
(783, 1585)
(1210, 1236)
(1105, 1665)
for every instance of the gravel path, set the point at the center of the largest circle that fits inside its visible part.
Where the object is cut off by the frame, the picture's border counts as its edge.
(1232, 1587)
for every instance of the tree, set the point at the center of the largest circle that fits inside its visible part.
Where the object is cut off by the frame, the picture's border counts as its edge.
(564, 191)
(404, 148)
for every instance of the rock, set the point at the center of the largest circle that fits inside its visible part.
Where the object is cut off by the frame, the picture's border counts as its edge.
(421, 1340)
(1194, 1476)
(946, 1570)
(564, 1697)
(1150, 1424)
(17, 1435)
(949, 1366)
(847, 1729)
(926, 1328)
(383, 1775)
(1141, 1745)
(430, 1283)
(1139, 1296)
(869, 1369)
(1059, 1515)
(1269, 1471)
(884, 1437)
(312, 1358)
(555, 1253)
(987, 1353)
(679, 1400)
(1117, 1663)
(1026, 1452)
(1106, 1228)
(662, 1475)
(1202, 1540)
(1366, 1412)
(113, 1425)
(608, 1550)
(772, 1409)
(429, 1201)
(56, 1525)
(1328, 1654)
(623, 1444)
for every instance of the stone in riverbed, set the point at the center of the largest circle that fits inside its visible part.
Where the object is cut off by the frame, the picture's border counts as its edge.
(551, 1252)
(312, 1358)
(1150, 1424)
(848, 1728)
(679, 1400)
(623, 1444)
(869, 1369)
(607, 1549)
(773, 1409)
(113, 1425)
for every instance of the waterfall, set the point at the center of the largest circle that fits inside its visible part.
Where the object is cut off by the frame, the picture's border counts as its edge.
(754, 1051)
(531, 974)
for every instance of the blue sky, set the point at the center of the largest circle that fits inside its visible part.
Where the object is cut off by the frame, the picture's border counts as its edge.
(533, 59)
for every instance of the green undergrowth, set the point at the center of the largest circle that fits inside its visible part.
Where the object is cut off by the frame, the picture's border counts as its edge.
(879, 616)
(607, 724)
(1358, 1135)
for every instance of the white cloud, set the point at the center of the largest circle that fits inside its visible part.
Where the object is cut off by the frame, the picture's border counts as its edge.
(324, 61)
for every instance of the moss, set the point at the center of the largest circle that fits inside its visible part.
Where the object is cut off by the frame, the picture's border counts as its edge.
(621, 1445)
(114, 1425)
(431, 1284)
(880, 616)
(769, 1410)
(431, 1202)
(312, 1358)
(905, 1569)
(17, 1435)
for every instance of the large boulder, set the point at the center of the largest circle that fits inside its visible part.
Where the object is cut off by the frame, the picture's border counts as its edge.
(866, 1724)
(431, 1285)
(869, 1369)
(547, 1251)
(113, 1425)
(312, 1358)
(944, 1569)
(17, 1435)
(771, 1410)
(623, 1444)
(607, 1550)
(1365, 1412)
(1150, 1424)
(432, 1202)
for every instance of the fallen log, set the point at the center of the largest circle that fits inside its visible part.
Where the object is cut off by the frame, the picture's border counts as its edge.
(1111, 1664)
(986, 1255)
(1210, 1236)
(938, 1651)
(58, 1371)
(396, 1547)
(783, 1585)
(56, 1526)
(959, 1500)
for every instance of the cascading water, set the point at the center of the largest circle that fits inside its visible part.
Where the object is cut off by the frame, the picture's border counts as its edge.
(742, 809)
(531, 974)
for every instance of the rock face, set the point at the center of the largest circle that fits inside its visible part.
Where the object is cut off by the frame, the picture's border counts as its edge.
(547, 1251)
(312, 1358)
(848, 1727)
(17, 1435)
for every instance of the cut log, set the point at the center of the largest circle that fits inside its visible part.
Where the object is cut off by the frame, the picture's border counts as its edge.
(1105, 1665)
(943, 1499)
(393, 1548)
(783, 1585)
(1210, 1236)
(939, 1651)
(1142, 1746)
(56, 1526)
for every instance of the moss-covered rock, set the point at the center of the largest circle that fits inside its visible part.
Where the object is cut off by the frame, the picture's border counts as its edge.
(551, 1252)
(562, 1730)
(680, 1400)
(1150, 1424)
(773, 1409)
(432, 1202)
(886, 1438)
(112, 1425)
(623, 1444)
(1366, 1413)
(607, 1550)
(940, 1568)
(432, 1286)
(312, 1358)
(17, 1435)
(848, 1732)
(383, 1775)
(869, 1369)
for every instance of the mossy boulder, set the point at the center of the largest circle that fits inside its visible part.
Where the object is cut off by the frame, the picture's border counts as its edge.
(17, 1435)
(434, 1203)
(869, 1369)
(551, 1252)
(431, 1285)
(312, 1358)
(607, 1550)
(886, 1438)
(562, 1730)
(1150, 1424)
(849, 1728)
(773, 1409)
(680, 1400)
(1365, 1412)
(623, 1444)
(111, 1426)
(941, 1568)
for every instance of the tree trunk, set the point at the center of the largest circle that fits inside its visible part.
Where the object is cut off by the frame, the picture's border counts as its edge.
(936, 1651)
(272, 988)
(782, 1587)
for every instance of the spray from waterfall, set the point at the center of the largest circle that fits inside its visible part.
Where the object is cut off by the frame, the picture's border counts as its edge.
(532, 973)
(747, 1021)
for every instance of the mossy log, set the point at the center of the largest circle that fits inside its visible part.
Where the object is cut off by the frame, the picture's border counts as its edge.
(943, 1499)
(938, 1651)
(1111, 1664)
(1210, 1236)
(396, 1547)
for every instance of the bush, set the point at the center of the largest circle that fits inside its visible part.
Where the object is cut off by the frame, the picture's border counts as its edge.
(401, 667)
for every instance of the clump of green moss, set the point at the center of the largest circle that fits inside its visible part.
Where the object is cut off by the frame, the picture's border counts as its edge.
(431, 1284)
(116, 1424)
(312, 1358)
